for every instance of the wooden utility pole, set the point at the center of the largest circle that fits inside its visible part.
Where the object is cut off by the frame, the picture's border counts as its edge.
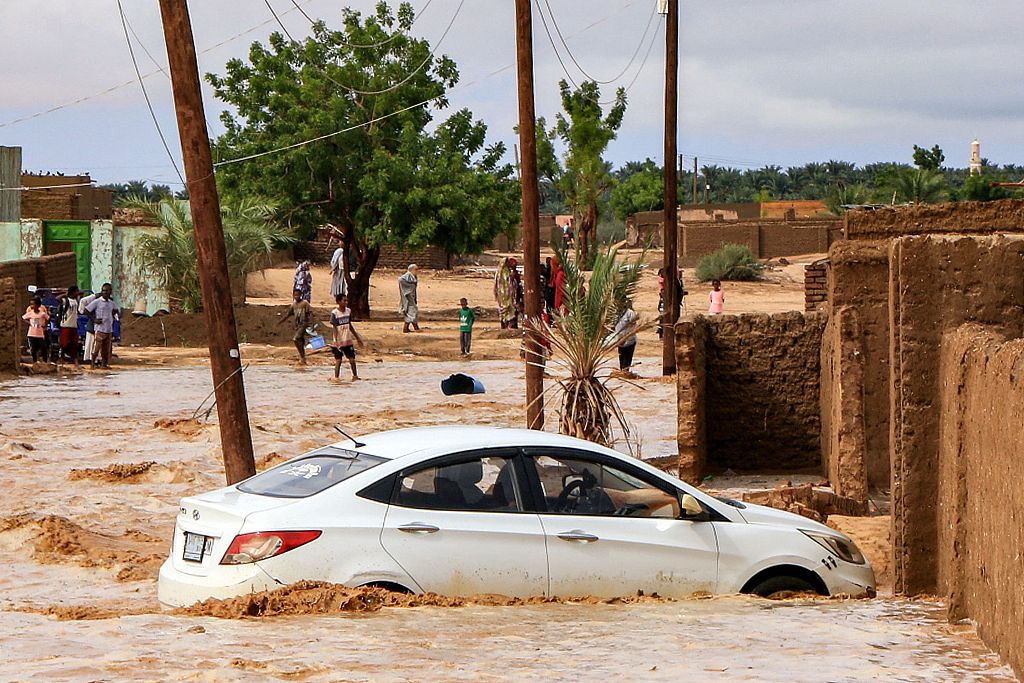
(670, 226)
(696, 199)
(531, 215)
(225, 363)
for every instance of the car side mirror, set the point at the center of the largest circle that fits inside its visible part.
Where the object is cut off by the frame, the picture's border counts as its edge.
(691, 508)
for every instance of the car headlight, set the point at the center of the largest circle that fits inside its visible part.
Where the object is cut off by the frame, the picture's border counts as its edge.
(843, 548)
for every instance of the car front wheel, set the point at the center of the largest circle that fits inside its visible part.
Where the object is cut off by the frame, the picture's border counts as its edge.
(781, 586)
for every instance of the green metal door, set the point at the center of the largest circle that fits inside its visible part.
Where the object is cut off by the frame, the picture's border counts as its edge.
(75, 236)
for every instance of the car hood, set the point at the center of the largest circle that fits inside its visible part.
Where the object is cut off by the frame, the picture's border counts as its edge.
(760, 514)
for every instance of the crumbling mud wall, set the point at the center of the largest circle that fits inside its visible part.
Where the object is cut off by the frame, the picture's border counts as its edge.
(843, 407)
(759, 378)
(691, 342)
(936, 284)
(858, 283)
(1006, 215)
(980, 514)
(10, 339)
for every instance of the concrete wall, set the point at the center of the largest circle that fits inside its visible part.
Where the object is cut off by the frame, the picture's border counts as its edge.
(135, 287)
(936, 284)
(758, 389)
(980, 497)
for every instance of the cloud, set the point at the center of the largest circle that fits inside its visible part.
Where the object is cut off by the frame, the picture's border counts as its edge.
(786, 81)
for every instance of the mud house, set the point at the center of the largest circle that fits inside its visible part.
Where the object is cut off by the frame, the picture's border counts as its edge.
(910, 380)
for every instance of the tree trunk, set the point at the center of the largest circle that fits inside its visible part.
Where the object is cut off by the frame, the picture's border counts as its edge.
(587, 232)
(358, 279)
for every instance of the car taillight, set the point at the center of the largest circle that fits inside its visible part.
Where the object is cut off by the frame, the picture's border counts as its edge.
(260, 545)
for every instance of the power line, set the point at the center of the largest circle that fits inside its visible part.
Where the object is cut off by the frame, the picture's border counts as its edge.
(149, 104)
(25, 188)
(107, 91)
(278, 19)
(562, 39)
(387, 40)
(412, 74)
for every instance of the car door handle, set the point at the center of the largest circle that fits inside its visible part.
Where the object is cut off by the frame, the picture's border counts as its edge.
(577, 535)
(418, 528)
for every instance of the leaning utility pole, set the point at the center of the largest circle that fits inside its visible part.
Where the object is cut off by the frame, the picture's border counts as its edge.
(531, 216)
(670, 226)
(225, 364)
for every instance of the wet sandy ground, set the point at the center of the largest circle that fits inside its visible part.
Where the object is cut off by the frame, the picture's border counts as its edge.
(88, 543)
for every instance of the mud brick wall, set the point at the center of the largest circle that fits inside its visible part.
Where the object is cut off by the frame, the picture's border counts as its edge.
(816, 285)
(47, 204)
(1006, 215)
(760, 388)
(700, 239)
(58, 270)
(980, 497)
(843, 406)
(936, 284)
(321, 249)
(10, 332)
(858, 279)
(691, 340)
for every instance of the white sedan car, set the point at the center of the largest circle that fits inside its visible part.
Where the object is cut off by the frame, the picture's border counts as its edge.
(465, 510)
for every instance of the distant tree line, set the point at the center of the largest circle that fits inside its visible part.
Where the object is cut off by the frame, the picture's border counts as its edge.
(140, 189)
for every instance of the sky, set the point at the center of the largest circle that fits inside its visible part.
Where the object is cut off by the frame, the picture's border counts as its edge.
(761, 81)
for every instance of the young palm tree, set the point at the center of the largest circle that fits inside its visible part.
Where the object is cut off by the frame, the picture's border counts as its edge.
(583, 343)
(250, 237)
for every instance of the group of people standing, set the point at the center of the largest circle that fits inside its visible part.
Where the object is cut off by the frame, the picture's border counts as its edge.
(97, 314)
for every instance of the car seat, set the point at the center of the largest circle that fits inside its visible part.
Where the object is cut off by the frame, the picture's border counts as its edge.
(456, 485)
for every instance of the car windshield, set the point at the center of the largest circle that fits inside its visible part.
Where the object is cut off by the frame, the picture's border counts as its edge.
(311, 474)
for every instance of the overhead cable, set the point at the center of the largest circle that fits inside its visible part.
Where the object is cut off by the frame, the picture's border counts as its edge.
(107, 91)
(145, 94)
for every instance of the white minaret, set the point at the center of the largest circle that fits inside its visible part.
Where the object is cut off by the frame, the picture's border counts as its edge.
(975, 157)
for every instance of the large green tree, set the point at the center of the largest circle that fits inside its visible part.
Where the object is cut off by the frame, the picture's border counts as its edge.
(374, 172)
(584, 132)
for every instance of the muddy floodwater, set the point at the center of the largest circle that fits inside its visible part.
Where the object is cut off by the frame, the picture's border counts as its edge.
(93, 466)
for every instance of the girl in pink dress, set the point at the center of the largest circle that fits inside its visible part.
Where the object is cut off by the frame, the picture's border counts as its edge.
(717, 298)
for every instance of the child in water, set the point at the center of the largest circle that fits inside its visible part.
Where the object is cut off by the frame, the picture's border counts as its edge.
(717, 298)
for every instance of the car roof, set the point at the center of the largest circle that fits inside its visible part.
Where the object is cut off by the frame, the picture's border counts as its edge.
(442, 439)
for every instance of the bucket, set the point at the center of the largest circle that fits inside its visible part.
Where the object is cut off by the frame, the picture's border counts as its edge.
(316, 343)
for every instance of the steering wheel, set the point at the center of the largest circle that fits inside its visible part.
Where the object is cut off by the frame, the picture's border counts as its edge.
(629, 508)
(574, 489)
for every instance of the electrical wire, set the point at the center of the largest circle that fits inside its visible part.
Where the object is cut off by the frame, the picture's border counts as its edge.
(142, 84)
(113, 88)
(562, 39)
(412, 74)
(368, 45)
(146, 50)
(25, 188)
(278, 20)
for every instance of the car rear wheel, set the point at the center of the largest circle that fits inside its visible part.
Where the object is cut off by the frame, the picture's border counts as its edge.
(781, 586)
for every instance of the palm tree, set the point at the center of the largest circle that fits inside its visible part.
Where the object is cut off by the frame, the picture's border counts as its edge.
(251, 235)
(583, 343)
(920, 186)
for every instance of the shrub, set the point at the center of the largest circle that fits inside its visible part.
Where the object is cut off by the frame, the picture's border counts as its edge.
(729, 262)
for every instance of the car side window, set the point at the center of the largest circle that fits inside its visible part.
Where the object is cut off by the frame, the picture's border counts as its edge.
(486, 484)
(579, 486)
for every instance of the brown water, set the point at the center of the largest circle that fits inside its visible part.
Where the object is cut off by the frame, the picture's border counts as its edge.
(87, 544)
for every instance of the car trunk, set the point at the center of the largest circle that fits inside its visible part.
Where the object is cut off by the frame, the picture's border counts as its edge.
(207, 524)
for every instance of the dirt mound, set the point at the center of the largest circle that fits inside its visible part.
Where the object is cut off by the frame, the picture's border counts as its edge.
(15, 450)
(58, 540)
(148, 472)
(316, 597)
(84, 612)
(184, 426)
